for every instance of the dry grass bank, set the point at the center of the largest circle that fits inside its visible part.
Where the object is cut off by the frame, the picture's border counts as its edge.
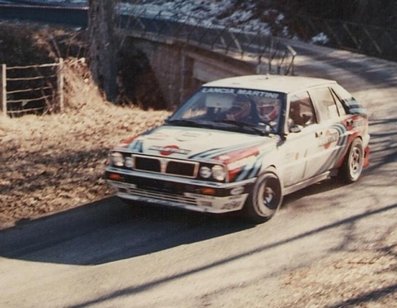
(55, 162)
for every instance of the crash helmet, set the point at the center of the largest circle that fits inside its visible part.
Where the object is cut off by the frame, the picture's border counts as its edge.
(240, 109)
(269, 112)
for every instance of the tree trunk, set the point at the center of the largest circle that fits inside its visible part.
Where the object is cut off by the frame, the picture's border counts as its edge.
(102, 49)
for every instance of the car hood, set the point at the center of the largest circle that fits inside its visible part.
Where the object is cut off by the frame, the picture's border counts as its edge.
(194, 143)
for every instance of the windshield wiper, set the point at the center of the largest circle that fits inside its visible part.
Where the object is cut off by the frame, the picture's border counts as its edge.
(247, 126)
(182, 122)
(242, 126)
(189, 123)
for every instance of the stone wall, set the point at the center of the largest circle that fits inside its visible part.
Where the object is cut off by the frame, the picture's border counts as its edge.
(181, 69)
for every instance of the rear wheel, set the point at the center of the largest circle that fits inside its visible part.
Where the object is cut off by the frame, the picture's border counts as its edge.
(265, 199)
(353, 165)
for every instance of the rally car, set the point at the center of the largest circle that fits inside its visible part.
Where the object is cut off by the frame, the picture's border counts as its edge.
(242, 143)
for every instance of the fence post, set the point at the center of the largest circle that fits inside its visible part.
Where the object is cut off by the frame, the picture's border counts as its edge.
(60, 85)
(3, 89)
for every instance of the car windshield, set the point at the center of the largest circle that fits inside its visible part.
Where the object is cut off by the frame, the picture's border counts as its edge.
(246, 110)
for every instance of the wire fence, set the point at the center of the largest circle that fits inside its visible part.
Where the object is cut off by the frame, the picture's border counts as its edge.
(272, 53)
(30, 89)
(362, 38)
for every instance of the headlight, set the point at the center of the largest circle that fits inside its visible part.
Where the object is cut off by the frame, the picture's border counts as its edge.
(205, 172)
(117, 159)
(218, 173)
(129, 162)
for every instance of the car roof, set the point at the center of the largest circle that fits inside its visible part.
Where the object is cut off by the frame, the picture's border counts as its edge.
(274, 83)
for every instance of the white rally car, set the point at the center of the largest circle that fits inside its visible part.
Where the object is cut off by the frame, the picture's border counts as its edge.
(243, 143)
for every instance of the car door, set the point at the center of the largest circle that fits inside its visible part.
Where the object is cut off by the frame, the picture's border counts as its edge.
(301, 139)
(329, 134)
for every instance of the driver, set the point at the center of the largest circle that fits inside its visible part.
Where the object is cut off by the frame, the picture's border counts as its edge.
(295, 116)
(240, 111)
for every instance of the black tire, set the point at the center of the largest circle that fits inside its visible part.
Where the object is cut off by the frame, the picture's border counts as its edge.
(265, 198)
(353, 164)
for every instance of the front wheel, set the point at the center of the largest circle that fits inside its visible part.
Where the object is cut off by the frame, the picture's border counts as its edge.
(353, 165)
(265, 198)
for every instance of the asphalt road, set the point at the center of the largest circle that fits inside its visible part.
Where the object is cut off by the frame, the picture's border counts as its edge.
(108, 254)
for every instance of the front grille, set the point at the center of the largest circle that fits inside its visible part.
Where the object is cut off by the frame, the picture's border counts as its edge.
(147, 164)
(166, 166)
(180, 168)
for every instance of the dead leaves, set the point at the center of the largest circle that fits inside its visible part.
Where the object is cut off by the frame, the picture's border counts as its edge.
(53, 163)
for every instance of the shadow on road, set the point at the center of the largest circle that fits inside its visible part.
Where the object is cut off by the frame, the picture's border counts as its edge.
(162, 280)
(109, 230)
(383, 143)
(368, 297)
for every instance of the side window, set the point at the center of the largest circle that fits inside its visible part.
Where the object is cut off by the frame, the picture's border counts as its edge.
(339, 105)
(341, 92)
(325, 103)
(349, 103)
(301, 110)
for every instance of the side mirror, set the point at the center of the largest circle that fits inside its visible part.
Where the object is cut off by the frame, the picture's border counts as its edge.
(295, 129)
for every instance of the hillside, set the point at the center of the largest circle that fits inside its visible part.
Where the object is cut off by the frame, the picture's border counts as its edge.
(55, 162)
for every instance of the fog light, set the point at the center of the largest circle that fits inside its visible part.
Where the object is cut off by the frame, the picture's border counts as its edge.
(237, 190)
(115, 177)
(208, 191)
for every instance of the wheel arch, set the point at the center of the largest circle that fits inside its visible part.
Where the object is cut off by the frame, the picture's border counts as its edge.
(273, 169)
(254, 207)
(344, 169)
(346, 151)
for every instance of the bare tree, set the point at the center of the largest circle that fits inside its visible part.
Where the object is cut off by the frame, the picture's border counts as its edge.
(102, 49)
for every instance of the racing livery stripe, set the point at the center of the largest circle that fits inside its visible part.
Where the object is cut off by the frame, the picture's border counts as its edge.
(341, 143)
(204, 153)
(257, 166)
(137, 146)
(218, 152)
(225, 151)
(357, 110)
(243, 174)
(253, 170)
(342, 133)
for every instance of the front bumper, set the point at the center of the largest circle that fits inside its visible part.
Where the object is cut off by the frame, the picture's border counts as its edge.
(179, 192)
